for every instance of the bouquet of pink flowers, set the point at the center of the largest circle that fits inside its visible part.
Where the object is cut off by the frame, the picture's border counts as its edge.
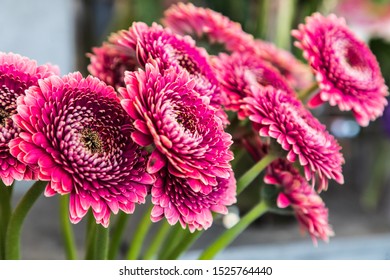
(162, 121)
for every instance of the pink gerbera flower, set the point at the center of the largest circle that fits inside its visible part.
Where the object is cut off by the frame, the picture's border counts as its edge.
(188, 139)
(17, 73)
(217, 28)
(239, 72)
(346, 70)
(203, 22)
(307, 205)
(174, 199)
(79, 138)
(283, 117)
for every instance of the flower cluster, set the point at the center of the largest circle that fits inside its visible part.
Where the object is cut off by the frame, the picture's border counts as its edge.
(151, 120)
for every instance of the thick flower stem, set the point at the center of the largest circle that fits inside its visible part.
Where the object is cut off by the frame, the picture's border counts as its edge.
(255, 170)
(90, 236)
(139, 236)
(12, 248)
(101, 243)
(117, 233)
(5, 214)
(174, 237)
(157, 241)
(184, 244)
(66, 229)
(229, 235)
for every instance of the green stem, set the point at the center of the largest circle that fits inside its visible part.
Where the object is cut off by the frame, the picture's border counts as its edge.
(229, 235)
(117, 233)
(255, 170)
(284, 19)
(12, 248)
(139, 235)
(66, 229)
(185, 243)
(101, 243)
(157, 241)
(306, 93)
(90, 236)
(5, 214)
(174, 237)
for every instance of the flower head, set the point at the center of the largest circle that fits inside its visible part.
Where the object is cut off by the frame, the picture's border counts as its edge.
(346, 70)
(203, 22)
(188, 138)
(174, 199)
(307, 205)
(17, 73)
(79, 138)
(283, 117)
(239, 72)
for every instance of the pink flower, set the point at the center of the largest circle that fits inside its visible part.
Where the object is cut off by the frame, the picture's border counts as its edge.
(17, 73)
(79, 138)
(188, 139)
(346, 70)
(307, 205)
(239, 72)
(217, 28)
(174, 199)
(203, 22)
(283, 117)
(109, 63)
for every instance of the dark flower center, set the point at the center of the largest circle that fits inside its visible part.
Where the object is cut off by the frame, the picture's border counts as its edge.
(187, 63)
(92, 140)
(187, 120)
(4, 115)
(353, 58)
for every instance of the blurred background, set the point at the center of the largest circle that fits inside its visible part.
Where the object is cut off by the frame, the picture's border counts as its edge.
(63, 31)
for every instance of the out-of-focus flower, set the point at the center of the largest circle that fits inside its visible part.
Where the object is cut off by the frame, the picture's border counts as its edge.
(307, 205)
(347, 72)
(188, 137)
(239, 72)
(199, 22)
(279, 115)
(78, 136)
(175, 200)
(366, 17)
(17, 73)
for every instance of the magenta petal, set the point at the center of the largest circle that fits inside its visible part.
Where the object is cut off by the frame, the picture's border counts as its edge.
(141, 139)
(156, 162)
(282, 201)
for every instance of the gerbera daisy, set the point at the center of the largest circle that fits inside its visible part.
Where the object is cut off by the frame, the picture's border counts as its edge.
(175, 200)
(17, 73)
(282, 116)
(346, 70)
(79, 138)
(307, 205)
(188, 139)
(239, 72)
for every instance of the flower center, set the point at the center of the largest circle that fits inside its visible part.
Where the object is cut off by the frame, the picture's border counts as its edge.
(92, 140)
(4, 115)
(187, 120)
(187, 63)
(353, 58)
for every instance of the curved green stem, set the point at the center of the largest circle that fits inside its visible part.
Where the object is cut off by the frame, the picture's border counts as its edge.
(101, 243)
(254, 171)
(12, 248)
(174, 237)
(139, 236)
(117, 233)
(184, 244)
(90, 236)
(229, 235)
(66, 229)
(5, 214)
(157, 241)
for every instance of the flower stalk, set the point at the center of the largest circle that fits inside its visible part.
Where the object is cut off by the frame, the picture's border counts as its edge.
(66, 229)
